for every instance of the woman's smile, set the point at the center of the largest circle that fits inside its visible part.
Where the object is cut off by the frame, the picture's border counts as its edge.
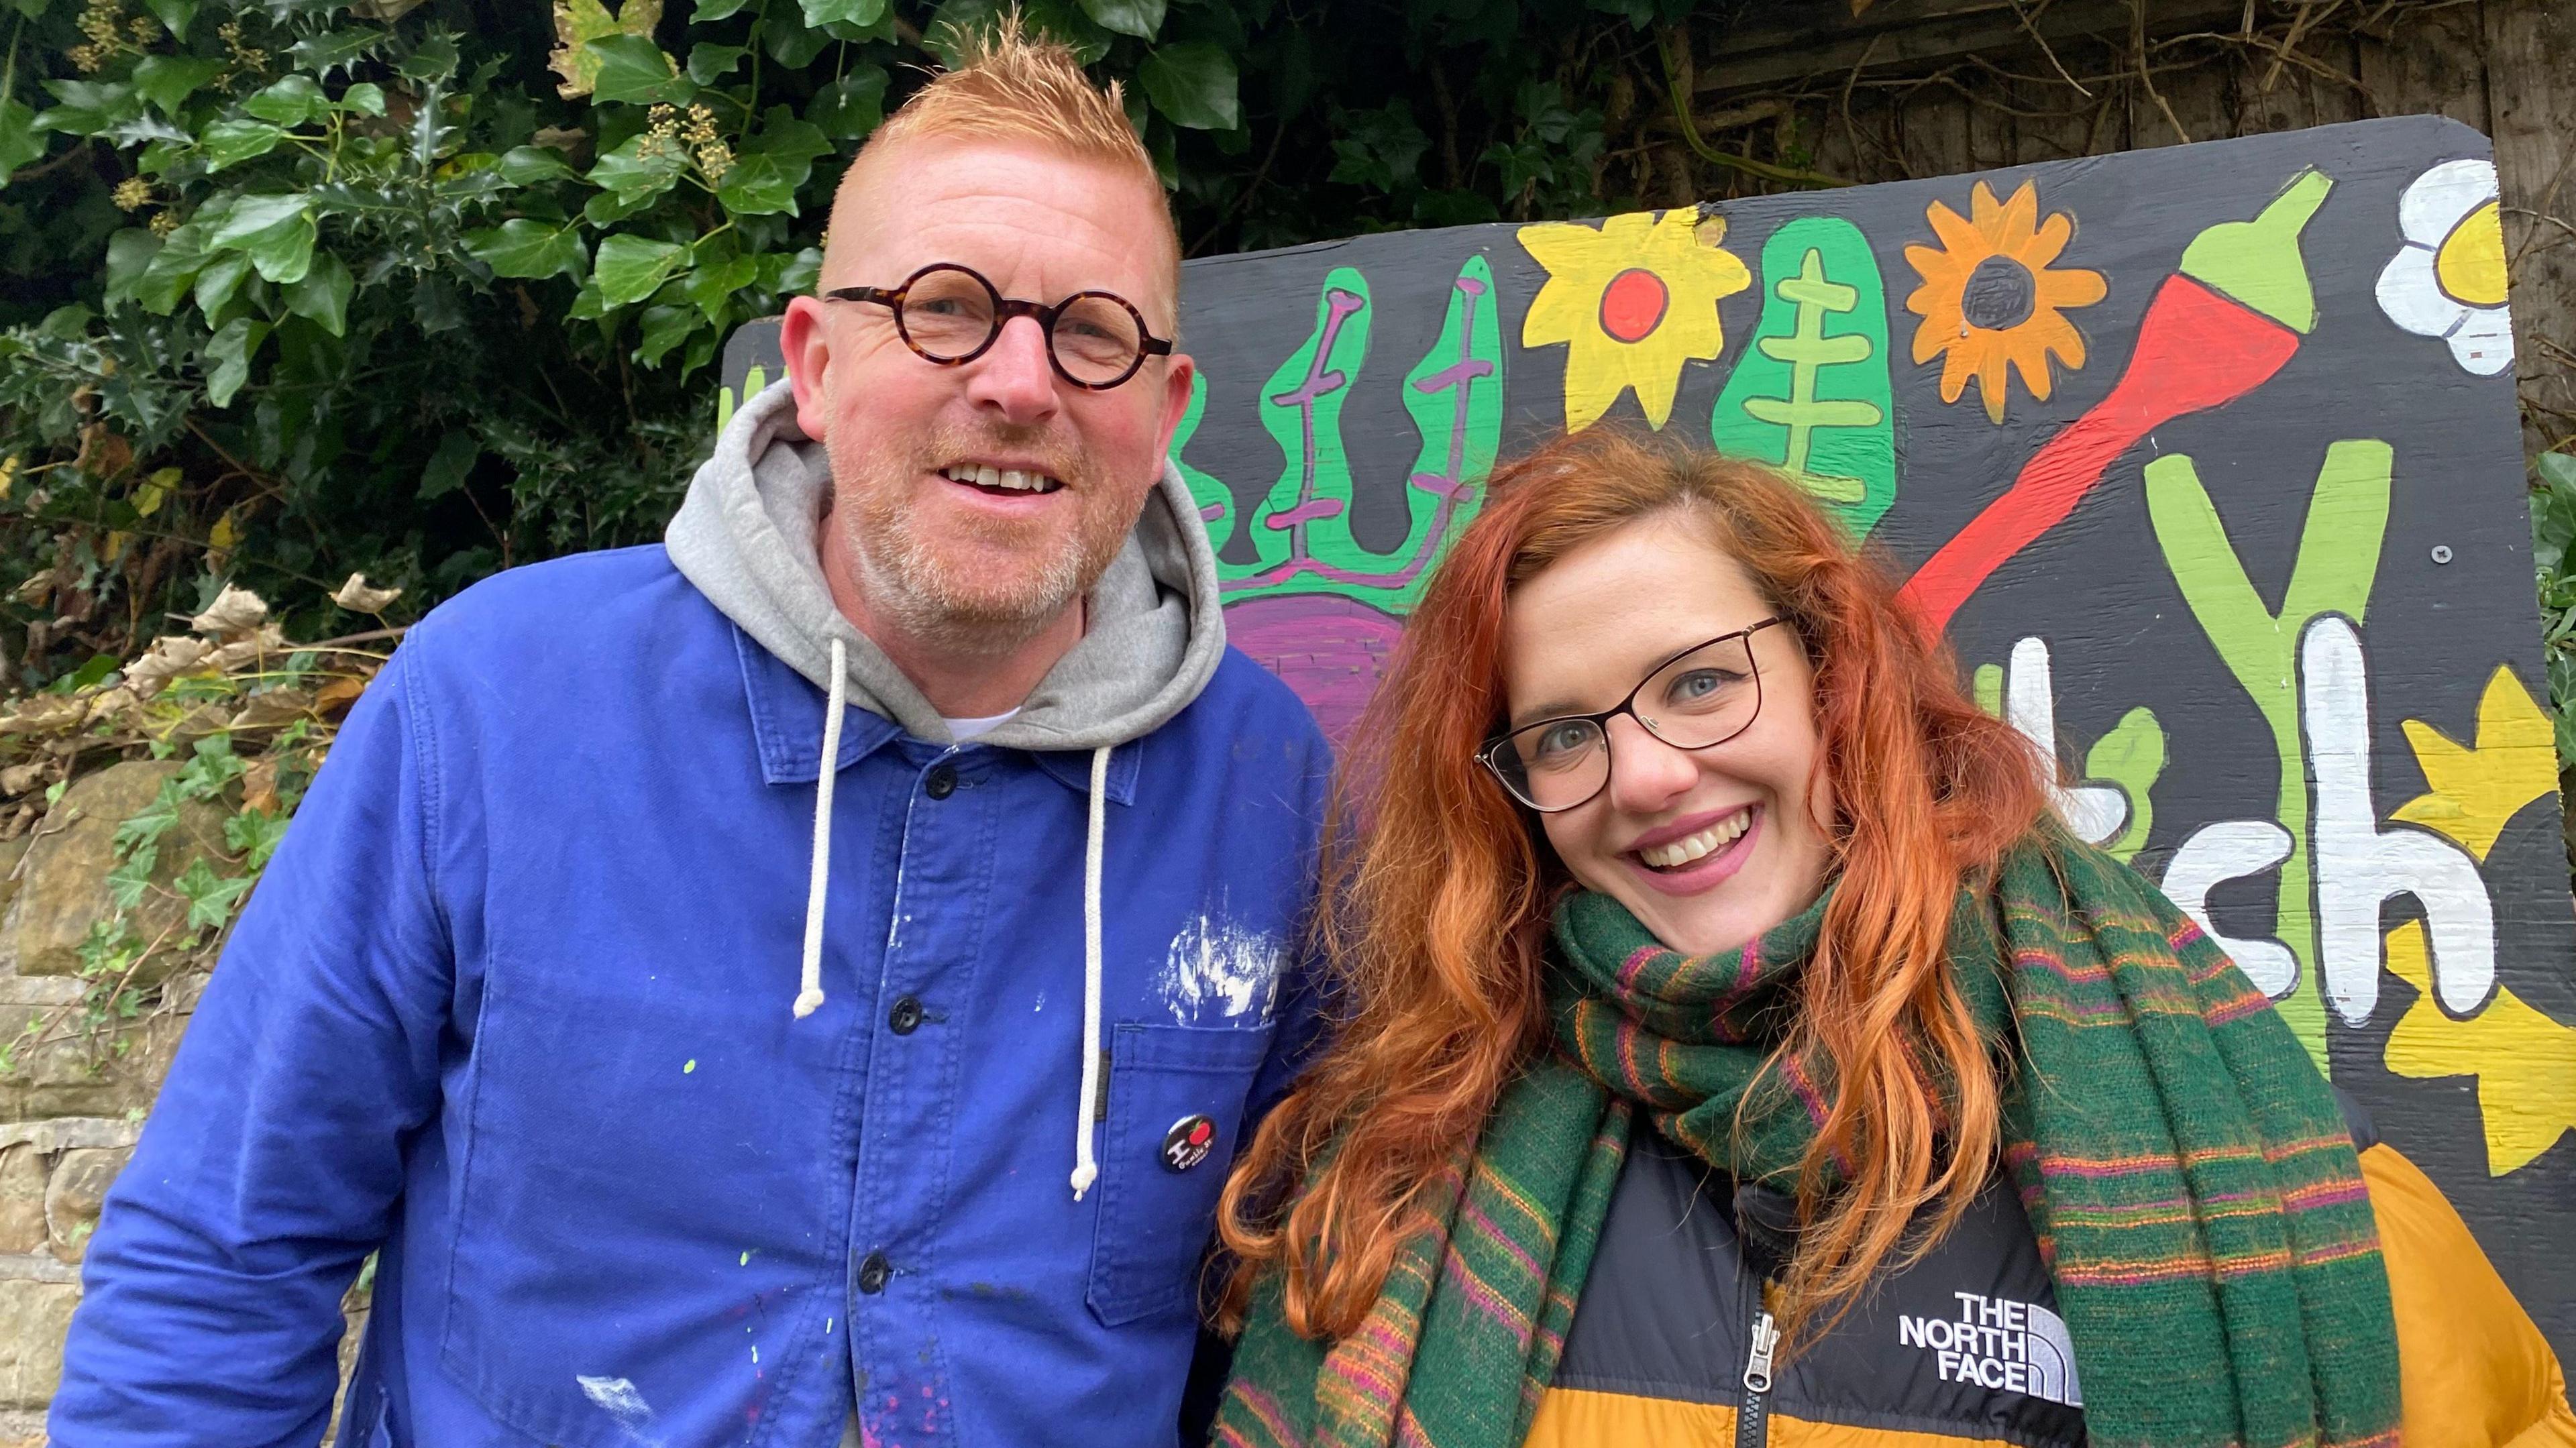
(1697, 853)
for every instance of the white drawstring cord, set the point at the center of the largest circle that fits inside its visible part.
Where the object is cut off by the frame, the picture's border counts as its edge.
(809, 995)
(1086, 1170)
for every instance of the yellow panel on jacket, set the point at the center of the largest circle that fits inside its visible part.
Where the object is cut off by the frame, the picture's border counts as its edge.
(2477, 1372)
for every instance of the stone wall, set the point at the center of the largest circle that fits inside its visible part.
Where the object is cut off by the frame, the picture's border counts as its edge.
(68, 1117)
(80, 1072)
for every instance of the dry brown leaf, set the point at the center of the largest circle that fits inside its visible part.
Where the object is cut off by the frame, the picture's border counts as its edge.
(235, 611)
(103, 454)
(20, 778)
(337, 695)
(357, 597)
(259, 785)
(249, 649)
(210, 717)
(274, 709)
(110, 704)
(45, 714)
(170, 656)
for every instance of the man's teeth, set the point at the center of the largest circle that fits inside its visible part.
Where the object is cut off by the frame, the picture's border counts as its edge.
(1015, 479)
(1707, 842)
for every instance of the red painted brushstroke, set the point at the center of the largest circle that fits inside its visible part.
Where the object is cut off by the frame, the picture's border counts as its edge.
(2196, 350)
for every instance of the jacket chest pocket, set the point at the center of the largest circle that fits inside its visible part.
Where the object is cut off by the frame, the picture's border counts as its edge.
(1175, 1110)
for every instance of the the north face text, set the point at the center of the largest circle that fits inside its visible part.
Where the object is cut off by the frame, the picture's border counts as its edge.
(1996, 1342)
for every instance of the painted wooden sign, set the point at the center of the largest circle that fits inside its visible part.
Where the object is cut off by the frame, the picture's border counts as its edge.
(2206, 457)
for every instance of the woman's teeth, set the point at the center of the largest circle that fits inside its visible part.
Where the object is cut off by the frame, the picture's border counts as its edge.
(1011, 479)
(1699, 846)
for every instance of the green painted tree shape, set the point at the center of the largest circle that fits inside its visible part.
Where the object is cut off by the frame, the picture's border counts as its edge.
(1807, 350)
(1301, 528)
(1216, 502)
(2338, 560)
(1812, 393)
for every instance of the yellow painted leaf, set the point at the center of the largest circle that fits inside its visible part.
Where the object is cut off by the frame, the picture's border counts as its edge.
(2524, 1061)
(2478, 790)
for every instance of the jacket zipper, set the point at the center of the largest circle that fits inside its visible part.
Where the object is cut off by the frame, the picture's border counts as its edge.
(1753, 1419)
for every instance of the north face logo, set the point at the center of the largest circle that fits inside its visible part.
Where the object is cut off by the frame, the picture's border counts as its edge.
(1995, 1342)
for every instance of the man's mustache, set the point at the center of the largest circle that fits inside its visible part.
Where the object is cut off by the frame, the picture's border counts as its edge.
(1045, 449)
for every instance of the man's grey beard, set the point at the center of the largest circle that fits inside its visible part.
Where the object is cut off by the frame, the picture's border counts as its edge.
(903, 579)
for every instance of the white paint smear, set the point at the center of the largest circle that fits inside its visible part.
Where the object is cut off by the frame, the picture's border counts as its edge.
(618, 1398)
(1217, 969)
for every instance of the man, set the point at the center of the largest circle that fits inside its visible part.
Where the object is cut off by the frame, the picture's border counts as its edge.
(520, 1003)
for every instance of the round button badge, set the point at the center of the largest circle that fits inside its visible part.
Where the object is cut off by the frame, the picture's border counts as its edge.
(1188, 1142)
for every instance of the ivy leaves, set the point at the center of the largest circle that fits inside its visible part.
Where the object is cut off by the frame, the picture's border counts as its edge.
(2553, 558)
(1193, 83)
(304, 160)
(20, 142)
(275, 231)
(632, 70)
(525, 248)
(632, 268)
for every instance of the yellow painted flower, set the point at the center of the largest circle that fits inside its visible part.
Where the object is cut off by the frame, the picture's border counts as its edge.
(2524, 1062)
(2479, 789)
(1990, 300)
(2448, 280)
(1633, 301)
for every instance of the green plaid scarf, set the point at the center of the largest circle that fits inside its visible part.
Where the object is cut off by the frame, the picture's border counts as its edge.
(2193, 1188)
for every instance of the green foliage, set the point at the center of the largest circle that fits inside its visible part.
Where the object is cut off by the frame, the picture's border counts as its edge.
(123, 975)
(298, 291)
(2553, 561)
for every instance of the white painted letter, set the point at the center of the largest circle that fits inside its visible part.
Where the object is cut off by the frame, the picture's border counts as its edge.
(2228, 850)
(2095, 812)
(2358, 864)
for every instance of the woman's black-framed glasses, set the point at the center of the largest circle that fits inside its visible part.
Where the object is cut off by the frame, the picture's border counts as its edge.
(949, 314)
(1697, 699)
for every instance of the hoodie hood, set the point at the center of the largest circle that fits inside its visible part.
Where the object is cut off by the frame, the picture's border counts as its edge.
(747, 536)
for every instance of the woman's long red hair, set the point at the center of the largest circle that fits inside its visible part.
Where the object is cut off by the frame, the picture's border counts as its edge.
(1438, 895)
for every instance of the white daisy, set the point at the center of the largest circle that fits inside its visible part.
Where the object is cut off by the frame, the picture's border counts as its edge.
(2448, 280)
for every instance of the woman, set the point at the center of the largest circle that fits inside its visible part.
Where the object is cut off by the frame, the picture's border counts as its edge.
(1739, 1052)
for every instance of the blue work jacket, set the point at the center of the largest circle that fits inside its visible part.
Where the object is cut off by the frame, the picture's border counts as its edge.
(512, 1004)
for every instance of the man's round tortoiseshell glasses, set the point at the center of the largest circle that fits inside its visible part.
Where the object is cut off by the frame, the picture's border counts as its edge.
(949, 314)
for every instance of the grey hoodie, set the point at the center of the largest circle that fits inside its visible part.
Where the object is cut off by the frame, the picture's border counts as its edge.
(746, 536)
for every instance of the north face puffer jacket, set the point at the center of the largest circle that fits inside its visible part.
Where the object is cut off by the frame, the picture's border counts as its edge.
(1965, 1346)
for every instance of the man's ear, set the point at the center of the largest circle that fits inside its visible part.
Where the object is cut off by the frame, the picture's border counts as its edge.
(1178, 379)
(807, 347)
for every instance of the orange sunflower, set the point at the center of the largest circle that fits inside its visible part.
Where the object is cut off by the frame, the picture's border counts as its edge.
(1990, 301)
